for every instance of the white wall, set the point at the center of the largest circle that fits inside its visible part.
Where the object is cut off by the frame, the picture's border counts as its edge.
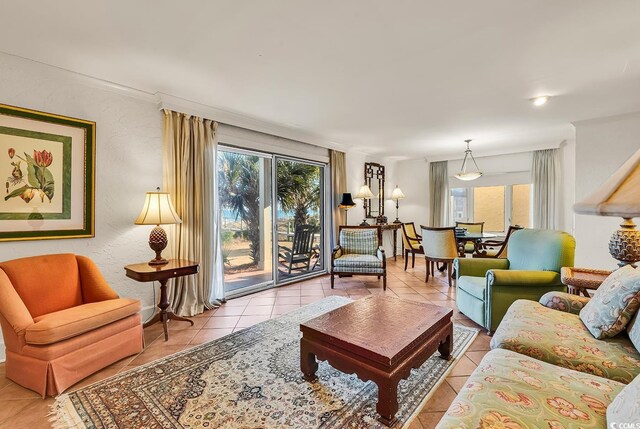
(128, 163)
(602, 145)
(413, 178)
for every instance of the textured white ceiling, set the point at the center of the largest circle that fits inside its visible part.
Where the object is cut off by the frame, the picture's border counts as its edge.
(410, 78)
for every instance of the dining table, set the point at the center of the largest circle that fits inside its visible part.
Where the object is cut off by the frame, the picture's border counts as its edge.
(464, 237)
(475, 238)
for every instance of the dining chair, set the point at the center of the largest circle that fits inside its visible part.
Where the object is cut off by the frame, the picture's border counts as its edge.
(412, 243)
(439, 245)
(475, 227)
(496, 248)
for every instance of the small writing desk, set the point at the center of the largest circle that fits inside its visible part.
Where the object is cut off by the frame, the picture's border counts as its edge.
(162, 273)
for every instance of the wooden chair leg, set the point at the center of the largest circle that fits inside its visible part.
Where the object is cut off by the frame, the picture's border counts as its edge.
(384, 281)
(332, 280)
(427, 263)
(449, 266)
(413, 259)
(406, 259)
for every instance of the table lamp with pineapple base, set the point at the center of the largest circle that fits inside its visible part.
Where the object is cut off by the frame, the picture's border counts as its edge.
(619, 196)
(624, 244)
(158, 242)
(158, 210)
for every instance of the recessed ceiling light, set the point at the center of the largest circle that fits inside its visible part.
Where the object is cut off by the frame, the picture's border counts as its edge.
(539, 101)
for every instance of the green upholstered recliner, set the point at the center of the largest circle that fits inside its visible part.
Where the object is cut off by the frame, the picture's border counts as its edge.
(485, 288)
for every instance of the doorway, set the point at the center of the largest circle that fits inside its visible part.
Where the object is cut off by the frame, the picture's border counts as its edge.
(272, 219)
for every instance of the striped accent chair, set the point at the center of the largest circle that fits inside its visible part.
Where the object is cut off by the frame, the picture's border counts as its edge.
(359, 252)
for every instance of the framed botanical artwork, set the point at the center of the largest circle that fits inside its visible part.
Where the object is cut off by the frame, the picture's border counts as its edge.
(48, 161)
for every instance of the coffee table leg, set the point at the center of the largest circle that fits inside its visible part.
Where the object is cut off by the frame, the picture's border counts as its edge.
(387, 406)
(446, 347)
(308, 363)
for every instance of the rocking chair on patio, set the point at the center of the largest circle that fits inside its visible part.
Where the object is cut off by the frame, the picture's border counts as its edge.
(301, 250)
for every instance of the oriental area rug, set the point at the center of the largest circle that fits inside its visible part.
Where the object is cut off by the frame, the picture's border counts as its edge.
(248, 379)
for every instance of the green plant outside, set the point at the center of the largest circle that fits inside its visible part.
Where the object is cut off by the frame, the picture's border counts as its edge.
(298, 191)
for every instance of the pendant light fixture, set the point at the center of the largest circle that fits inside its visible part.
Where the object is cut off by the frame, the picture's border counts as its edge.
(468, 175)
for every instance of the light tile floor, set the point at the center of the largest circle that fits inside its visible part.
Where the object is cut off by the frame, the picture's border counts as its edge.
(22, 408)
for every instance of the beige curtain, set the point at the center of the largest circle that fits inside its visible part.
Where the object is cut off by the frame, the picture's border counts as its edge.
(189, 157)
(439, 193)
(545, 179)
(338, 187)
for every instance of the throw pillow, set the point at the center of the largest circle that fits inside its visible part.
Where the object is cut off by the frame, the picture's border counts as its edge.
(613, 304)
(634, 331)
(624, 411)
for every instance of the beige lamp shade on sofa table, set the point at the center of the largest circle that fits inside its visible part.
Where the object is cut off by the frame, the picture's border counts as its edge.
(619, 196)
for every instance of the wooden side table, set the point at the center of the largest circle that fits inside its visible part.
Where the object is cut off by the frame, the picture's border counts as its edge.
(162, 273)
(580, 280)
(391, 227)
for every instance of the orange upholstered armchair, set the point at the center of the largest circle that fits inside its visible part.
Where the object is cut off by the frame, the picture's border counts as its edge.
(61, 322)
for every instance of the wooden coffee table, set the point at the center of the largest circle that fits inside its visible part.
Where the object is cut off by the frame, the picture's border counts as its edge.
(378, 338)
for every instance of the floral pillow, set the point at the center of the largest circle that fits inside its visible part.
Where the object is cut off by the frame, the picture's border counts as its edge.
(613, 304)
(624, 411)
(634, 331)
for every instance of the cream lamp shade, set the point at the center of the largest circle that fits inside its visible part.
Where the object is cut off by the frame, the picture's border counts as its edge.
(619, 196)
(397, 194)
(158, 210)
(365, 193)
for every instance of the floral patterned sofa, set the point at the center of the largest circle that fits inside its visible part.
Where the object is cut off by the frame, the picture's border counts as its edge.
(553, 332)
(546, 370)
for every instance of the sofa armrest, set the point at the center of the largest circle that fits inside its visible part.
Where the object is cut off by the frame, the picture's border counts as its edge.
(380, 253)
(11, 306)
(478, 267)
(94, 287)
(562, 301)
(522, 278)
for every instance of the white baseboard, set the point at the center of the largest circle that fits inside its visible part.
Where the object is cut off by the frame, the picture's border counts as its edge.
(147, 312)
(3, 355)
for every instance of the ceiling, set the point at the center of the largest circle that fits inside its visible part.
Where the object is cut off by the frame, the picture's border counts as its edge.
(401, 78)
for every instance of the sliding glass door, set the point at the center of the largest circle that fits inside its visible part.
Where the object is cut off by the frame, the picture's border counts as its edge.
(273, 222)
(245, 193)
(299, 225)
